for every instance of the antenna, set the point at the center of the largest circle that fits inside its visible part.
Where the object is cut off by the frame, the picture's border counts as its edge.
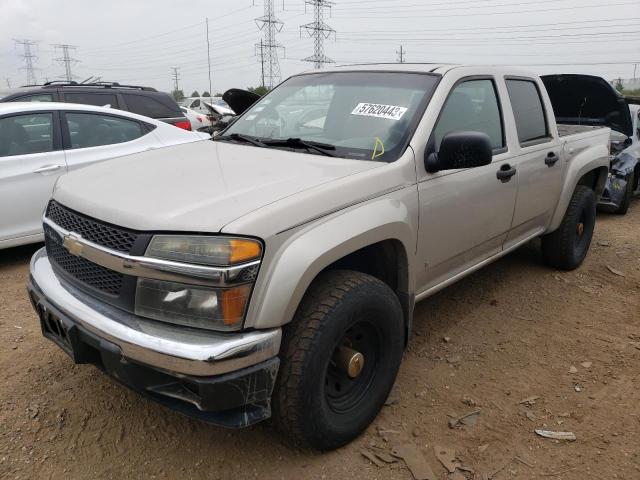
(319, 31)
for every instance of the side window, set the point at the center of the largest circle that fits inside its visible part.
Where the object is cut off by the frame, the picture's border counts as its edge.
(151, 107)
(88, 98)
(528, 110)
(472, 106)
(37, 97)
(92, 130)
(26, 134)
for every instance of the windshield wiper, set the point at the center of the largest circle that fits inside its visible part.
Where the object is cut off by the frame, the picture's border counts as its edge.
(299, 143)
(238, 137)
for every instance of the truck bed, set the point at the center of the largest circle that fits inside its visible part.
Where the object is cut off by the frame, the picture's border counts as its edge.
(565, 130)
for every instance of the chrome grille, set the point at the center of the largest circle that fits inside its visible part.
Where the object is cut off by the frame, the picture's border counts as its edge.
(106, 235)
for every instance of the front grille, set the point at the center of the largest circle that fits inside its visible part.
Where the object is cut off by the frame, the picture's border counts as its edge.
(83, 270)
(106, 235)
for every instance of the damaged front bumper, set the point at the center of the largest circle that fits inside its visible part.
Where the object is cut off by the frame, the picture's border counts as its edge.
(224, 379)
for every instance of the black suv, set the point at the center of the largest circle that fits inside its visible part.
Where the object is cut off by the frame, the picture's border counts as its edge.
(145, 101)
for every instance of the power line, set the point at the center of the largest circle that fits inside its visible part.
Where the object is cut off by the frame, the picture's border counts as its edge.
(269, 46)
(28, 57)
(66, 59)
(319, 31)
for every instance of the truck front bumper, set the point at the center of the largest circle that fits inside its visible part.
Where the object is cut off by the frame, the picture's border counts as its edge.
(224, 379)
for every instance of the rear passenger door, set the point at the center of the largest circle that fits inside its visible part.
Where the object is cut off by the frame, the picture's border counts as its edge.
(538, 160)
(31, 160)
(91, 137)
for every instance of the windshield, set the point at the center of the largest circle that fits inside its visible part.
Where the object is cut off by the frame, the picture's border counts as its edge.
(364, 115)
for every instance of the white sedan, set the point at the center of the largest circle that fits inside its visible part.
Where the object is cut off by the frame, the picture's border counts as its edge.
(39, 142)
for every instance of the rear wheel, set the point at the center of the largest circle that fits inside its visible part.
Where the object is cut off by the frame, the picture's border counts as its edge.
(567, 247)
(340, 358)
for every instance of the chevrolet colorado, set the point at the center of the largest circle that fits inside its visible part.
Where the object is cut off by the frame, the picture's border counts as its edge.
(273, 271)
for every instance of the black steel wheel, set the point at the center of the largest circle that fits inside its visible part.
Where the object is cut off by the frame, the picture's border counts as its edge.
(340, 357)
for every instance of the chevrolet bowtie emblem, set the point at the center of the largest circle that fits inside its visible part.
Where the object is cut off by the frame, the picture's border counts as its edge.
(72, 243)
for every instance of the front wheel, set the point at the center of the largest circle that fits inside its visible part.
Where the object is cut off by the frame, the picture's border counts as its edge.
(567, 247)
(628, 195)
(340, 358)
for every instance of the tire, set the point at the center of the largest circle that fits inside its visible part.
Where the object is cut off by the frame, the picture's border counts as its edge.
(315, 404)
(567, 247)
(628, 195)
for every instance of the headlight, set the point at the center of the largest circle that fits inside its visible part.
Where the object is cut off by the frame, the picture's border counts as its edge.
(220, 251)
(210, 307)
(192, 305)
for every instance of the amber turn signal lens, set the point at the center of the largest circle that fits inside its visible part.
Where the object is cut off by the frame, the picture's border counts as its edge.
(233, 302)
(243, 250)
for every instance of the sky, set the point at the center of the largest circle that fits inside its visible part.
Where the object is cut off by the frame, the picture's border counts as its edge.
(138, 42)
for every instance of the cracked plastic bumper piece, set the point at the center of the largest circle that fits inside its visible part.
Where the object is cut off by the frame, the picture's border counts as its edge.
(224, 379)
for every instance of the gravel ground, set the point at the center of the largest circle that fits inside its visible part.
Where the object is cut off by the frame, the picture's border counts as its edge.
(567, 343)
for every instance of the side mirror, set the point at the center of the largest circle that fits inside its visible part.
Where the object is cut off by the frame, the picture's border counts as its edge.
(460, 150)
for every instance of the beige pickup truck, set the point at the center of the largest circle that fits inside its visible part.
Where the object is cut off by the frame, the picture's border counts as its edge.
(273, 272)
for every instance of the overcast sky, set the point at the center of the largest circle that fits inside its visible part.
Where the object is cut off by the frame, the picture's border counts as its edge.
(138, 42)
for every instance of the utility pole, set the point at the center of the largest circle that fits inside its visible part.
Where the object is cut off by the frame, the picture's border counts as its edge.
(401, 53)
(66, 59)
(262, 61)
(175, 74)
(8, 82)
(319, 31)
(269, 46)
(28, 57)
(209, 56)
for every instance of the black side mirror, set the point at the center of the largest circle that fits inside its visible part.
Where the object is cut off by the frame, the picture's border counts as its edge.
(460, 150)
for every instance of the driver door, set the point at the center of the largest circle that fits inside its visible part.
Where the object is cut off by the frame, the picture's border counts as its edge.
(465, 214)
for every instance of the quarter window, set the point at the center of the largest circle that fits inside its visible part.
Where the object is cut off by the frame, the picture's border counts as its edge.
(26, 134)
(151, 107)
(92, 130)
(472, 106)
(528, 110)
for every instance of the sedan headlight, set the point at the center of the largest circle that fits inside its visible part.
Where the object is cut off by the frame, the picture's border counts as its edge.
(194, 305)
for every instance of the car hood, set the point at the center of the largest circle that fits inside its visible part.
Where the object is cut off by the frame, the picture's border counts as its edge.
(588, 100)
(196, 187)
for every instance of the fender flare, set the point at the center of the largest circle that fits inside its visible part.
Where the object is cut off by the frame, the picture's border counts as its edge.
(313, 247)
(589, 160)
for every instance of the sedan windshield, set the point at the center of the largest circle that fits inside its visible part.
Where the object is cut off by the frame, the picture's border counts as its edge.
(358, 115)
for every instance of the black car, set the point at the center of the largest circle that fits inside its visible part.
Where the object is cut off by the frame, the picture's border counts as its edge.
(145, 101)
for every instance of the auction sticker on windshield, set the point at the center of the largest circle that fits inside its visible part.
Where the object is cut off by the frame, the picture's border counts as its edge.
(377, 110)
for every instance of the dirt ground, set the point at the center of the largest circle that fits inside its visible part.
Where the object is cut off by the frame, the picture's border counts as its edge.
(513, 331)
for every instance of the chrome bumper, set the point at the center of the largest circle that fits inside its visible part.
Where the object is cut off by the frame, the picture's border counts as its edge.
(168, 347)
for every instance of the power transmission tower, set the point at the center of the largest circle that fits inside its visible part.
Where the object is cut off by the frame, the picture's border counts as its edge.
(319, 31)
(175, 75)
(28, 57)
(66, 59)
(401, 55)
(267, 49)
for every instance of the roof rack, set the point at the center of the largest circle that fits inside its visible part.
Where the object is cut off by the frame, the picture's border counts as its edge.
(64, 83)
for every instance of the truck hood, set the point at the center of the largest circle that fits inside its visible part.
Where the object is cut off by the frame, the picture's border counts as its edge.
(196, 187)
(588, 100)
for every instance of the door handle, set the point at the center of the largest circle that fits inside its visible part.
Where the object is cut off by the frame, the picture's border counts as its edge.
(505, 173)
(47, 168)
(551, 159)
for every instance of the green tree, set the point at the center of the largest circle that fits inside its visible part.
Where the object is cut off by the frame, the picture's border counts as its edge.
(258, 90)
(206, 94)
(195, 93)
(178, 95)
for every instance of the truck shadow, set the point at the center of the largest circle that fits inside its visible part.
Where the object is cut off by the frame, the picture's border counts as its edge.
(10, 257)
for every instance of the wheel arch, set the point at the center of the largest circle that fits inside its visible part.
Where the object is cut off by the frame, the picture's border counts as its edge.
(377, 238)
